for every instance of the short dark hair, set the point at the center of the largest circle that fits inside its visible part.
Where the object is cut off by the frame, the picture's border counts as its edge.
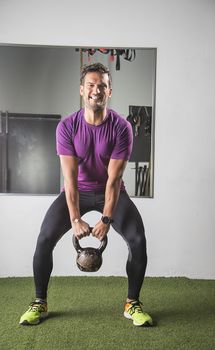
(95, 67)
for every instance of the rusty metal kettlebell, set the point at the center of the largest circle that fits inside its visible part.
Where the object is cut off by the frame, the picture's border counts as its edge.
(89, 259)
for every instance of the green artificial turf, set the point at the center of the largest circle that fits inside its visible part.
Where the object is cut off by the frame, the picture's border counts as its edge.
(87, 313)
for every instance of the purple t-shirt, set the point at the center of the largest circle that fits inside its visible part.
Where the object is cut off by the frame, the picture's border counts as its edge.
(94, 146)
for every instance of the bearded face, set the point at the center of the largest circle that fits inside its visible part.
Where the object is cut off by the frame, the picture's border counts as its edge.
(95, 91)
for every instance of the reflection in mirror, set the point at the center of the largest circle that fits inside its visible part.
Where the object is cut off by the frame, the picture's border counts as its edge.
(38, 85)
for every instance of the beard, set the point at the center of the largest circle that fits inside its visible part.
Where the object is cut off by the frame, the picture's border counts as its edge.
(95, 106)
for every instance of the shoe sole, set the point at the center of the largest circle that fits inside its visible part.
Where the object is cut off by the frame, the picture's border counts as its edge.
(145, 324)
(26, 323)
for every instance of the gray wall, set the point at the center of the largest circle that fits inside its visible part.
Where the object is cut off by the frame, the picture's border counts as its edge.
(39, 80)
(180, 219)
(46, 79)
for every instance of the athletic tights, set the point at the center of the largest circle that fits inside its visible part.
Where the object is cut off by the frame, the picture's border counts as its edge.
(126, 221)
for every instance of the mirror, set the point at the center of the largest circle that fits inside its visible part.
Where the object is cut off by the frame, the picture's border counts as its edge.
(43, 82)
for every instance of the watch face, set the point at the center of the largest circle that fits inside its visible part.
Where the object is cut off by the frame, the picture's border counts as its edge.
(106, 220)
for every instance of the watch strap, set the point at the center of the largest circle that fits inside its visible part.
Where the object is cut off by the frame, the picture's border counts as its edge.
(75, 221)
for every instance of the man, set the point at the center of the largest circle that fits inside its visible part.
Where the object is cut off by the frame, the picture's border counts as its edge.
(94, 145)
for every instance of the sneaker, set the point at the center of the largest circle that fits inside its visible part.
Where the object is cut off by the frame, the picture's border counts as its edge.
(37, 310)
(133, 311)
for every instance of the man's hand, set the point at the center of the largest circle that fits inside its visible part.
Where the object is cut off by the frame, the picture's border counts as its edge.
(100, 230)
(81, 229)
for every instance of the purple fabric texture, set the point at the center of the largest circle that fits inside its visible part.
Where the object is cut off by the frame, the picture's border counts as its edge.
(94, 146)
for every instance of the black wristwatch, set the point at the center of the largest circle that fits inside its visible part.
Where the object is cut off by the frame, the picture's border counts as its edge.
(106, 220)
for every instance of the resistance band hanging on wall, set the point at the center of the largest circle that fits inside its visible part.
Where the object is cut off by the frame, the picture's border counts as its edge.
(127, 54)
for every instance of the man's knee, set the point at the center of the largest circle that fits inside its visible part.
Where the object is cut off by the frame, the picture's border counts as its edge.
(138, 242)
(45, 241)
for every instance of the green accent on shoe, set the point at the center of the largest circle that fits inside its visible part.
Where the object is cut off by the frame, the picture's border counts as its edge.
(37, 310)
(133, 311)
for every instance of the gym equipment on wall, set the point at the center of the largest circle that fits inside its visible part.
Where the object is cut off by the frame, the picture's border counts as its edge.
(126, 54)
(140, 120)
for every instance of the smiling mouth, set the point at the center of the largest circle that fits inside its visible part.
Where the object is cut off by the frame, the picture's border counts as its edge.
(95, 98)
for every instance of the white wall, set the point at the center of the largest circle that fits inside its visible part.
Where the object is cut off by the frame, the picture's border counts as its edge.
(180, 218)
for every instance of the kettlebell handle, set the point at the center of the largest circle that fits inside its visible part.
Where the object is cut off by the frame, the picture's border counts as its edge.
(79, 249)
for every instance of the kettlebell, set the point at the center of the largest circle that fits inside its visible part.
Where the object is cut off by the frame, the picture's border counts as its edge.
(89, 259)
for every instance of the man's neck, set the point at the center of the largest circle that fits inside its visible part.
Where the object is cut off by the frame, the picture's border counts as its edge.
(94, 117)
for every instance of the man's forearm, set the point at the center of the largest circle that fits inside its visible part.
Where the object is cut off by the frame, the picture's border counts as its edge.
(80, 227)
(111, 197)
(69, 167)
(72, 199)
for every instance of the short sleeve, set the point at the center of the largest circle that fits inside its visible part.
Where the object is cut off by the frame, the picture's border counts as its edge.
(64, 140)
(124, 143)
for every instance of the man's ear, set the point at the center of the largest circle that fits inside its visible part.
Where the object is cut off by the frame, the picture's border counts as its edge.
(81, 90)
(110, 93)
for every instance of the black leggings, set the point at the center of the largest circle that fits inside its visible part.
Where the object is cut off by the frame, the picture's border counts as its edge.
(127, 222)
